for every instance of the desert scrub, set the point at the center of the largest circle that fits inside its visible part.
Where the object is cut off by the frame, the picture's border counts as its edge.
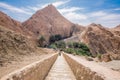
(69, 50)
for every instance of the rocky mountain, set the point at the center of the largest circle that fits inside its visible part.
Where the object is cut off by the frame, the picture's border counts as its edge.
(13, 44)
(77, 30)
(101, 40)
(48, 21)
(45, 22)
(117, 27)
(12, 24)
(8, 22)
(116, 30)
(18, 38)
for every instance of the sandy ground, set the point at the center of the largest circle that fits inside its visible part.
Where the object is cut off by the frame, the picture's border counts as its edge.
(28, 59)
(23, 61)
(114, 64)
(102, 69)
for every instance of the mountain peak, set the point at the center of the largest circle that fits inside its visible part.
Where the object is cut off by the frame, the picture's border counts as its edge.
(51, 6)
(48, 21)
(94, 24)
(8, 22)
(49, 10)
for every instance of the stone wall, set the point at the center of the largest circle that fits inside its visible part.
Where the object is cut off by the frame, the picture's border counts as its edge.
(80, 71)
(35, 71)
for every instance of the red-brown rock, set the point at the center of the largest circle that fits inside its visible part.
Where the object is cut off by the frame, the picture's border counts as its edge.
(101, 40)
(48, 21)
(8, 22)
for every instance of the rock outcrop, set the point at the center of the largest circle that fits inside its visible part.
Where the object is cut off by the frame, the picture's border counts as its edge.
(101, 40)
(8, 22)
(48, 21)
(18, 38)
(117, 27)
(13, 44)
(77, 30)
(45, 22)
(116, 30)
(14, 25)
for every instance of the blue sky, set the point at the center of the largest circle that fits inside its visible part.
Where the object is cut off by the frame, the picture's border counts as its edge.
(83, 12)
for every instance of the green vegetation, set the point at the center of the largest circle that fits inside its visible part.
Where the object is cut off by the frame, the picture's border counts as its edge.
(72, 48)
(41, 41)
(53, 46)
(69, 50)
(78, 48)
(54, 38)
(58, 45)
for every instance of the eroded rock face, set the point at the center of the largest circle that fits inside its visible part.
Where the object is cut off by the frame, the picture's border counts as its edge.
(106, 57)
(14, 25)
(48, 21)
(77, 30)
(116, 30)
(13, 44)
(117, 27)
(8, 22)
(101, 40)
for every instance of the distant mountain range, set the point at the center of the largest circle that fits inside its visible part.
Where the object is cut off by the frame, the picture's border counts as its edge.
(48, 21)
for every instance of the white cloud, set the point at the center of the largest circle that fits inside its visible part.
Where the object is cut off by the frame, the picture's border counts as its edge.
(56, 4)
(40, 6)
(71, 9)
(117, 9)
(13, 9)
(71, 13)
(98, 14)
(75, 17)
(105, 18)
(59, 3)
(110, 17)
(35, 8)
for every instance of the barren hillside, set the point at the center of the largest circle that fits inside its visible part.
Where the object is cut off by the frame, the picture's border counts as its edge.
(13, 45)
(48, 21)
(101, 40)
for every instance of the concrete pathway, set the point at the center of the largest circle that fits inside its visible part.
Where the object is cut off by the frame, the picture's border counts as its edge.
(60, 70)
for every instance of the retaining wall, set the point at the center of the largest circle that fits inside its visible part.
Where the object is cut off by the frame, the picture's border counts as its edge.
(80, 71)
(34, 71)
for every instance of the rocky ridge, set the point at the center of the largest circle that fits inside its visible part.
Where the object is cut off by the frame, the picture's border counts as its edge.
(13, 44)
(48, 21)
(101, 41)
